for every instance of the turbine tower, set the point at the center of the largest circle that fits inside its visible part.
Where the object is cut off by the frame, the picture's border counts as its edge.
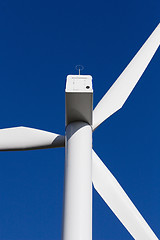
(82, 165)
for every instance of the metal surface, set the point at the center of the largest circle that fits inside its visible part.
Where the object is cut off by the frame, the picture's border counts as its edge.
(77, 219)
(116, 96)
(118, 201)
(79, 98)
(24, 138)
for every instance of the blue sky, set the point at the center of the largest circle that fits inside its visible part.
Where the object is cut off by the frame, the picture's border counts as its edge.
(40, 44)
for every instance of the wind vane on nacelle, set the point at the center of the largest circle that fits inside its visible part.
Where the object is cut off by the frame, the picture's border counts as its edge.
(79, 68)
(82, 165)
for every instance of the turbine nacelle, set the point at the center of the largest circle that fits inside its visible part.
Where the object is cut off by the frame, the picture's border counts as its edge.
(79, 98)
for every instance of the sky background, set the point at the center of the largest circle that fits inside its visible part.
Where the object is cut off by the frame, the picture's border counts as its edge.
(41, 42)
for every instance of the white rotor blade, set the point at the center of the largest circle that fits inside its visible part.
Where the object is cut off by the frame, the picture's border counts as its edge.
(118, 201)
(116, 96)
(24, 138)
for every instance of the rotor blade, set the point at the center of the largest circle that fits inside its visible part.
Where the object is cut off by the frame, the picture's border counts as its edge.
(24, 138)
(118, 201)
(116, 96)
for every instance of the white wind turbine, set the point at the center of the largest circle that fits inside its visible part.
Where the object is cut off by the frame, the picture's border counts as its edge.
(82, 165)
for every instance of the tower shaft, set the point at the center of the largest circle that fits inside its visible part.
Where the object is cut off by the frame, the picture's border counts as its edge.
(77, 214)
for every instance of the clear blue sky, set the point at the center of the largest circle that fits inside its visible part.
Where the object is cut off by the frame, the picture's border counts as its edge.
(40, 44)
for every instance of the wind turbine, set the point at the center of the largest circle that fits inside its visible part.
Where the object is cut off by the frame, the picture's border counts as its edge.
(82, 165)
